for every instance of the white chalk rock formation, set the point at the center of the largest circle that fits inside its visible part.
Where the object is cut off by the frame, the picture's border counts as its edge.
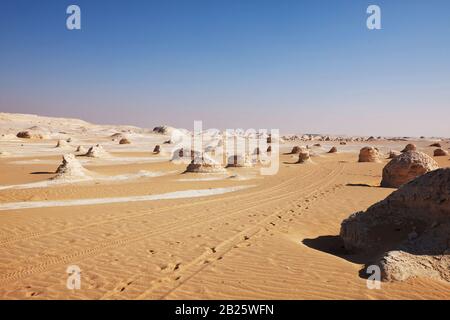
(204, 164)
(71, 169)
(97, 151)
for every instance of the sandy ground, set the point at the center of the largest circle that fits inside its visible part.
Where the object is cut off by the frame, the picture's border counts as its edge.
(274, 238)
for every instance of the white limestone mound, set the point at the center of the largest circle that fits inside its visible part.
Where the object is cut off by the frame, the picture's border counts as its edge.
(97, 151)
(71, 169)
(184, 155)
(62, 144)
(81, 149)
(205, 164)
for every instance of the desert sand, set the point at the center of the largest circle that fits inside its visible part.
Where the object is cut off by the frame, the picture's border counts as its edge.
(140, 227)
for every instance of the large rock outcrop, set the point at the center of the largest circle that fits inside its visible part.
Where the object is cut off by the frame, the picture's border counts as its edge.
(407, 167)
(409, 230)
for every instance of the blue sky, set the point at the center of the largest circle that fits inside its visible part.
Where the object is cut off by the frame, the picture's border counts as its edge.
(301, 66)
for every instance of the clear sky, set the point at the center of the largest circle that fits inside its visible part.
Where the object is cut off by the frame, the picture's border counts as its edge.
(301, 66)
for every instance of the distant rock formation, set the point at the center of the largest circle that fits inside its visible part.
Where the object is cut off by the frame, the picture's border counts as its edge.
(204, 164)
(410, 147)
(304, 156)
(117, 135)
(30, 135)
(296, 150)
(124, 141)
(409, 229)
(62, 144)
(81, 149)
(239, 161)
(407, 167)
(437, 145)
(440, 153)
(333, 150)
(184, 155)
(71, 169)
(163, 130)
(97, 151)
(369, 154)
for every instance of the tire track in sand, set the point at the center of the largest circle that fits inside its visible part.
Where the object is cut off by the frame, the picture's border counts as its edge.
(183, 273)
(32, 235)
(112, 244)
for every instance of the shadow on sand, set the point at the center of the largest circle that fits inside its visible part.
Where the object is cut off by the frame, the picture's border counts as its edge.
(360, 185)
(335, 246)
(42, 172)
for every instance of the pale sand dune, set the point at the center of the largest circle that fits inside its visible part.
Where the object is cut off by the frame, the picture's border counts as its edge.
(276, 240)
